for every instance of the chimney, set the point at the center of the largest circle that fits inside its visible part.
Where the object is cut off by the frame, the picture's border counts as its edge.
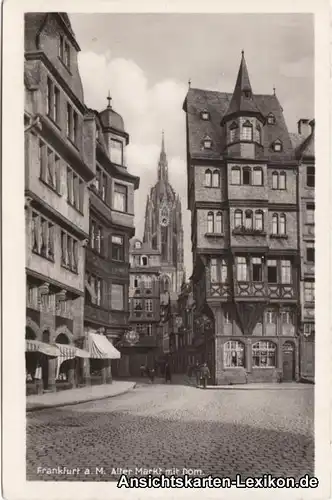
(303, 126)
(312, 125)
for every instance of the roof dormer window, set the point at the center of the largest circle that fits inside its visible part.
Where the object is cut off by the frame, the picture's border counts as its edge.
(207, 143)
(138, 244)
(277, 146)
(247, 94)
(205, 115)
(271, 119)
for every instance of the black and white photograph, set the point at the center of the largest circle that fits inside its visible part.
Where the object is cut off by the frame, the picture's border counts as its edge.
(168, 175)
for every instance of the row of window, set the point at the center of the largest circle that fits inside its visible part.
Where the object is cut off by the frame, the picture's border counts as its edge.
(43, 238)
(271, 318)
(253, 176)
(143, 305)
(145, 282)
(53, 111)
(264, 354)
(140, 260)
(246, 135)
(247, 220)
(98, 243)
(144, 329)
(252, 269)
(47, 302)
(103, 189)
(103, 292)
(50, 174)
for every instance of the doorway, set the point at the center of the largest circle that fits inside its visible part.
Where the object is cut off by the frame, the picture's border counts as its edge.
(288, 365)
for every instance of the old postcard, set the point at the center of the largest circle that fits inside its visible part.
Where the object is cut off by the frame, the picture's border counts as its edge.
(165, 242)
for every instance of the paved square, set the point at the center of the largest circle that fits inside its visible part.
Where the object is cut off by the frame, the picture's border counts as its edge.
(219, 432)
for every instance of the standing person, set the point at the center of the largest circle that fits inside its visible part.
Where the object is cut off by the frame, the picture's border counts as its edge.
(205, 374)
(152, 374)
(142, 369)
(197, 373)
(168, 373)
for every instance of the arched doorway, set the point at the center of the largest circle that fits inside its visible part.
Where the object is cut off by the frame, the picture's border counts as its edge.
(288, 361)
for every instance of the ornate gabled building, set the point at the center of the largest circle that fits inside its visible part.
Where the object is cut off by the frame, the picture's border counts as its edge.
(242, 192)
(163, 229)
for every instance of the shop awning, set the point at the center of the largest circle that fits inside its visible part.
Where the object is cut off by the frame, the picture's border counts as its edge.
(68, 351)
(101, 348)
(38, 346)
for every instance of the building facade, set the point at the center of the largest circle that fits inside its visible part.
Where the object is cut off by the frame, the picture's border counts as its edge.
(242, 192)
(144, 309)
(111, 224)
(304, 142)
(59, 165)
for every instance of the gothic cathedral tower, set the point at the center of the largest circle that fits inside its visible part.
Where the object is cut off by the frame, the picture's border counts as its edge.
(163, 229)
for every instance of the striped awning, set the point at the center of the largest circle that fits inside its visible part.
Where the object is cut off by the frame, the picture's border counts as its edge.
(101, 348)
(68, 351)
(42, 347)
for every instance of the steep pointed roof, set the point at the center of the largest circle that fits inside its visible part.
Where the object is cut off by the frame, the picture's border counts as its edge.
(163, 164)
(242, 100)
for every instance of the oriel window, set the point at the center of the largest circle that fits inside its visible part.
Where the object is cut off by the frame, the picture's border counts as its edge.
(120, 197)
(117, 248)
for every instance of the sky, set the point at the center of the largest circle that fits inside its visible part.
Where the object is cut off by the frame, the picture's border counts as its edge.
(146, 60)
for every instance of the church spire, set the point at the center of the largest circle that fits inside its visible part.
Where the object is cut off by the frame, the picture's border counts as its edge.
(163, 165)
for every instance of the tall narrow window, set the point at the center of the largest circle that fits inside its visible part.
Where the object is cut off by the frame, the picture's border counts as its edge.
(210, 222)
(310, 213)
(272, 276)
(224, 271)
(277, 146)
(246, 176)
(116, 152)
(241, 269)
(275, 178)
(216, 178)
(282, 224)
(248, 219)
(275, 224)
(238, 222)
(311, 177)
(236, 176)
(69, 121)
(257, 269)
(219, 224)
(286, 272)
(309, 291)
(98, 291)
(117, 297)
(259, 220)
(117, 248)
(257, 178)
(208, 178)
(310, 253)
(232, 132)
(67, 54)
(120, 197)
(247, 131)
(259, 134)
(282, 180)
(214, 271)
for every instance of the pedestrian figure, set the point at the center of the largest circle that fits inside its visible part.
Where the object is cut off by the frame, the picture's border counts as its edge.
(143, 370)
(152, 375)
(198, 373)
(205, 374)
(167, 373)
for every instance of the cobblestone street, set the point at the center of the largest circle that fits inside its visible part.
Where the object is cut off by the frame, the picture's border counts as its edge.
(219, 432)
